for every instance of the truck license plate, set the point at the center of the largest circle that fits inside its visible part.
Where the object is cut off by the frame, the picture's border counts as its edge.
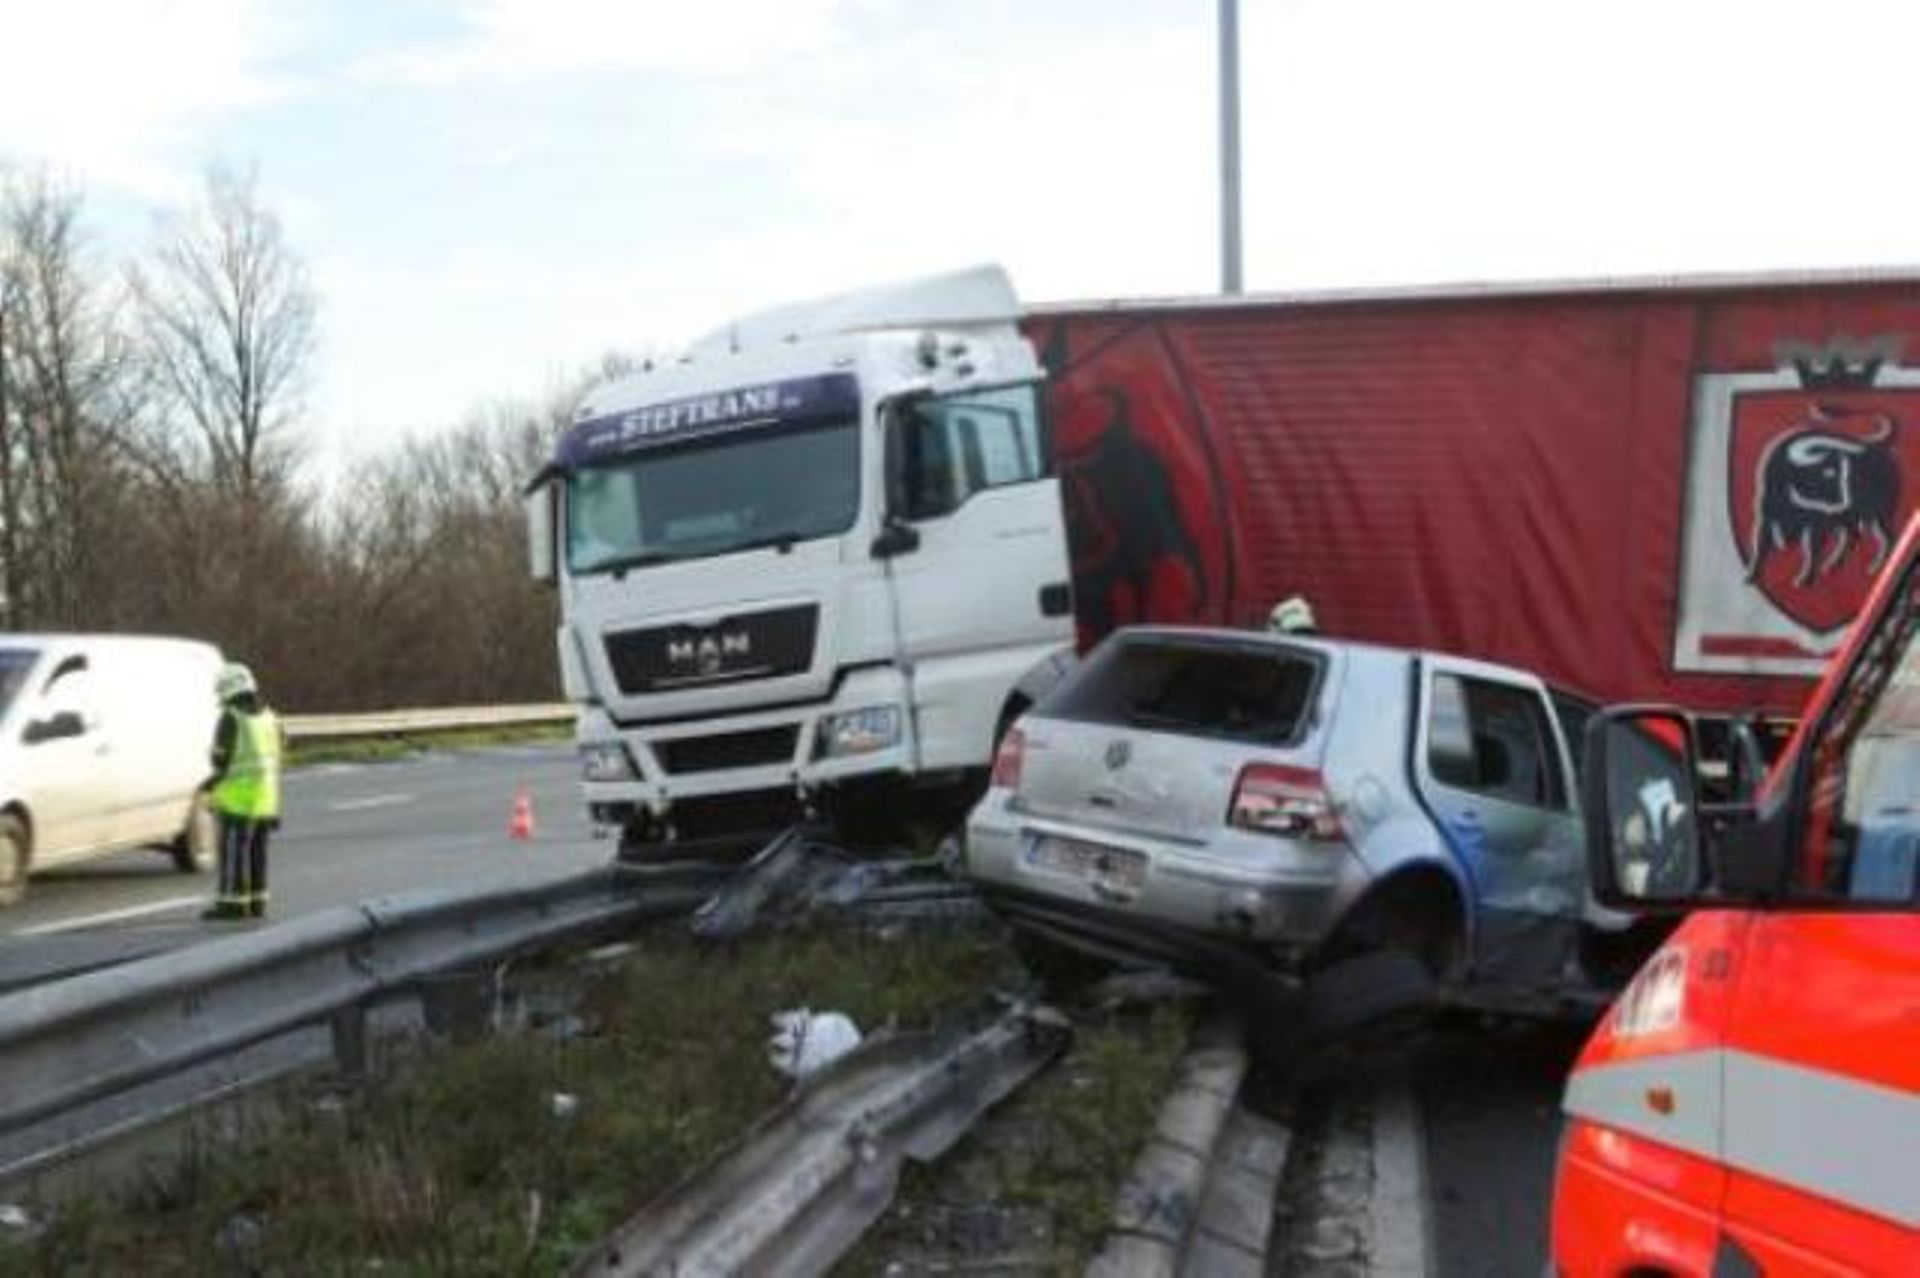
(1116, 870)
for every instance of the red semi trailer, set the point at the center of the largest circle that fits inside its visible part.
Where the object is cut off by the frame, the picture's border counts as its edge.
(1675, 490)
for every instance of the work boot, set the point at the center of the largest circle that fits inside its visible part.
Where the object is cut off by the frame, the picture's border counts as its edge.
(224, 911)
(257, 907)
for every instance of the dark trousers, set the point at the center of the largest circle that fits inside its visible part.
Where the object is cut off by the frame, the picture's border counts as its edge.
(243, 865)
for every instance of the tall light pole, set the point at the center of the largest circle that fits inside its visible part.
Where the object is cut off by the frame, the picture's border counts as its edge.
(1229, 146)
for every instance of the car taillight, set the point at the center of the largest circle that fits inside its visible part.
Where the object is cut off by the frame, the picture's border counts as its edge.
(1271, 798)
(1007, 759)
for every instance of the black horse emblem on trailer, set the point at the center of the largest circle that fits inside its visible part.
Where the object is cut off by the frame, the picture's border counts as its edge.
(1819, 491)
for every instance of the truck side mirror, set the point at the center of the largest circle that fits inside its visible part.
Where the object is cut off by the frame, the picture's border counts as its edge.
(896, 539)
(897, 536)
(539, 505)
(1642, 806)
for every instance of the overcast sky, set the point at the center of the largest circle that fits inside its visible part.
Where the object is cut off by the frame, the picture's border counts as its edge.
(490, 191)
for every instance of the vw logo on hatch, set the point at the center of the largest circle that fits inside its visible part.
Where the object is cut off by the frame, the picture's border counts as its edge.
(1117, 755)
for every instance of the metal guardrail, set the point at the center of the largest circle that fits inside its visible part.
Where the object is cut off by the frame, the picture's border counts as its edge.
(100, 1034)
(380, 723)
(802, 1187)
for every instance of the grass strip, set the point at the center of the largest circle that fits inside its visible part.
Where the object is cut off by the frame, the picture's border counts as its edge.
(1032, 1188)
(463, 1163)
(385, 749)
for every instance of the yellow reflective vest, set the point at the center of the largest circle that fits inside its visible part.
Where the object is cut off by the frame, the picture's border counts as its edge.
(249, 789)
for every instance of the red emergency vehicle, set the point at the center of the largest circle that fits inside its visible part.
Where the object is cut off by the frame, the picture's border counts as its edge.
(1751, 1103)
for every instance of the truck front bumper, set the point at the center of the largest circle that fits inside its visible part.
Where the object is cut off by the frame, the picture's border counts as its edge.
(752, 756)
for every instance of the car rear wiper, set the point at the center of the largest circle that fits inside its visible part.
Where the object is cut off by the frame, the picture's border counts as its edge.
(1150, 719)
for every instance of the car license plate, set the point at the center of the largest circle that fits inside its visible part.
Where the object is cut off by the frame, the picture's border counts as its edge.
(1112, 870)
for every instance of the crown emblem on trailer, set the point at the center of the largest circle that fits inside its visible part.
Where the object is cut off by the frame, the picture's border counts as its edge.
(1801, 475)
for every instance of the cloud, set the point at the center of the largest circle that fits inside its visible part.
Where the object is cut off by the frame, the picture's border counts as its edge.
(508, 40)
(116, 93)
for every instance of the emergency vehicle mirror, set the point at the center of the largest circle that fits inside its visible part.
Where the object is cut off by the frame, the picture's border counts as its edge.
(1643, 809)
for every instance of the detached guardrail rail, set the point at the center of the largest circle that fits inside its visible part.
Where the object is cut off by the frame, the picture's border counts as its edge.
(99, 1035)
(800, 1188)
(379, 723)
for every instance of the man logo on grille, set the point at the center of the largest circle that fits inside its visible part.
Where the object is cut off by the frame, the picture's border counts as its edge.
(708, 654)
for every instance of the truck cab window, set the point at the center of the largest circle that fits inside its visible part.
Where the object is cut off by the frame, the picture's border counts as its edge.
(954, 446)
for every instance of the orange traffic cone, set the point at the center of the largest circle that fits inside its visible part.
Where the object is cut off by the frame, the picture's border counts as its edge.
(520, 826)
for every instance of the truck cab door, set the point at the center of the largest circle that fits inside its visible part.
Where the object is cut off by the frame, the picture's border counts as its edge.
(975, 550)
(1492, 769)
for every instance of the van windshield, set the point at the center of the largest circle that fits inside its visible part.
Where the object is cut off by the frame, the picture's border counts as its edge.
(1202, 687)
(768, 487)
(1866, 846)
(15, 664)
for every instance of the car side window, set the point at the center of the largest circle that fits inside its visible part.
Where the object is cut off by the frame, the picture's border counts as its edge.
(1574, 714)
(1493, 739)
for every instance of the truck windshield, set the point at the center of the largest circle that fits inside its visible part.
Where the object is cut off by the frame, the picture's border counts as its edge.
(769, 487)
(15, 664)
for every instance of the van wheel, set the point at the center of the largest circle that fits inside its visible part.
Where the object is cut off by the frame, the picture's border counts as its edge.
(196, 846)
(14, 851)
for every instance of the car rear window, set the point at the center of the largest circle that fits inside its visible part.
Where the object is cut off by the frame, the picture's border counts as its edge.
(1234, 691)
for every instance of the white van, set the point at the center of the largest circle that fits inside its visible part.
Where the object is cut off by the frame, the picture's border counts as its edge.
(105, 743)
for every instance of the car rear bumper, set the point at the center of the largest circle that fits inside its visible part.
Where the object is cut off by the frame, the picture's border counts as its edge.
(1281, 903)
(1130, 942)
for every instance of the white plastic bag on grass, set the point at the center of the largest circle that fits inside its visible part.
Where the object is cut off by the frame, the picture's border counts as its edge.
(805, 1042)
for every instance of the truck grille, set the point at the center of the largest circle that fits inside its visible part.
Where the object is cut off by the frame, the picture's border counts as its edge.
(758, 645)
(733, 750)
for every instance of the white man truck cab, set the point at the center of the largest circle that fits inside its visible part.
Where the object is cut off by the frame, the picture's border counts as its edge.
(818, 561)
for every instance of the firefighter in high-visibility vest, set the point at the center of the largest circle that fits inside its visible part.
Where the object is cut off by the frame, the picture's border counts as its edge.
(247, 750)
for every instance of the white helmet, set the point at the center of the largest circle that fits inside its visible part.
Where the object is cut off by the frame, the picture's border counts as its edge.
(1292, 615)
(234, 680)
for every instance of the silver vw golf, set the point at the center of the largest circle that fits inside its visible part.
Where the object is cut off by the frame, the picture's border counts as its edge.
(1382, 822)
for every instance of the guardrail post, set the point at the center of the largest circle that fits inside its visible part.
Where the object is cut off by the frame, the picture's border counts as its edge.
(349, 1029)
(457, 1005)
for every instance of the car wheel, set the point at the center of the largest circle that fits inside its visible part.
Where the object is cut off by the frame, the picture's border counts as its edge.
(198, 844)
(15, 850)
(1388, 992)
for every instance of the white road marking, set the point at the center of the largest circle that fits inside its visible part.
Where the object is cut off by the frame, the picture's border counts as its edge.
(332, 769)
(113, 916)
(1400, 1213)
(372, 801)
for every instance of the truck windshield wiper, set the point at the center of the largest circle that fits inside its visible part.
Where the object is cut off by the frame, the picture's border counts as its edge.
(620, 564)
(782, 540)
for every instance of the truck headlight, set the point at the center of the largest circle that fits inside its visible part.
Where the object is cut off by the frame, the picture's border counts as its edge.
(859, 732)
(605, 761)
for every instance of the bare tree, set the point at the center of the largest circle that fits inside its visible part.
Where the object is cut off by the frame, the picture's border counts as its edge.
(60, 406)
(227, 318)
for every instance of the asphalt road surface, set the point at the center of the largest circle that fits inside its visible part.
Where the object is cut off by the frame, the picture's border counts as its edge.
(1489, 1093)
(1491, 1100)
(350, 832)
